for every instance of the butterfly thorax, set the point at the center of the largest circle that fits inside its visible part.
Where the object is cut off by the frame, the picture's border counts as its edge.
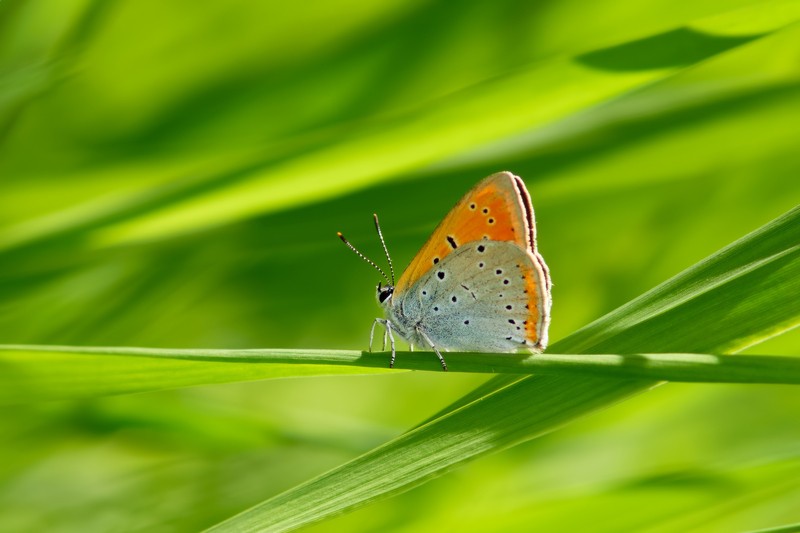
(401, 323)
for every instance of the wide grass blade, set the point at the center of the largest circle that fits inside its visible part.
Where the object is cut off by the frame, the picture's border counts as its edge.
(756, 278)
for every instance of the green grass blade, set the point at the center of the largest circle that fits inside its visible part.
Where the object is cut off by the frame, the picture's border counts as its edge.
(485, 426)
(700, 307)
(47, 373)
(39, 373)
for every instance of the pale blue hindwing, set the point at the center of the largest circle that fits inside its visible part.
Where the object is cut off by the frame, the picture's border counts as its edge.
(473, 300)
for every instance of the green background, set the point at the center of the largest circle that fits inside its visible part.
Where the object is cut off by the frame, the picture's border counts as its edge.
(174, 174)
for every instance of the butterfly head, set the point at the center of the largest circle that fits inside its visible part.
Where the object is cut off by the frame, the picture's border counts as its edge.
(385, 294)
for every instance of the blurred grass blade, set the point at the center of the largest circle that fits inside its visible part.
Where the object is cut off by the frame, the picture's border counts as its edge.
(790, 528)
(669, 500)
(31, 373)
(544, 93)
(253, 181)
(745, 293)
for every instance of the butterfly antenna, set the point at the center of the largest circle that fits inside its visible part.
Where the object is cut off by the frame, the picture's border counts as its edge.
(385, 250)
(362, 256)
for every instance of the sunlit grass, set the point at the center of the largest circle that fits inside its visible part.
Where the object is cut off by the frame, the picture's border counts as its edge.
(174, 178)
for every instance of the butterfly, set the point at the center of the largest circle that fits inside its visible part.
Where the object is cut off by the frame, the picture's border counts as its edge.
(478, 284)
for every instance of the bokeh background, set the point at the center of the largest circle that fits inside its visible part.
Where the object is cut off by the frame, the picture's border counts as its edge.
(173, 174)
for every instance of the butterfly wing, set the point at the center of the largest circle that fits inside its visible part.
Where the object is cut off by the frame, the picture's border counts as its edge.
(484, 296)
(498, 208)
(494, 215)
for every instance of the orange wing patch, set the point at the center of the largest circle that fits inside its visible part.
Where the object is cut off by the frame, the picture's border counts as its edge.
(498, 208)
(538, 306)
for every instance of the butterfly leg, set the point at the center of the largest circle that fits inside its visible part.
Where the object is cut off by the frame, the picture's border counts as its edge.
(372, 334)
(435, 349)
(387, 332)
(391, 341)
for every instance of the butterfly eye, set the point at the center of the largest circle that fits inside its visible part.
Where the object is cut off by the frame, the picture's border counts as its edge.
(384, 293)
